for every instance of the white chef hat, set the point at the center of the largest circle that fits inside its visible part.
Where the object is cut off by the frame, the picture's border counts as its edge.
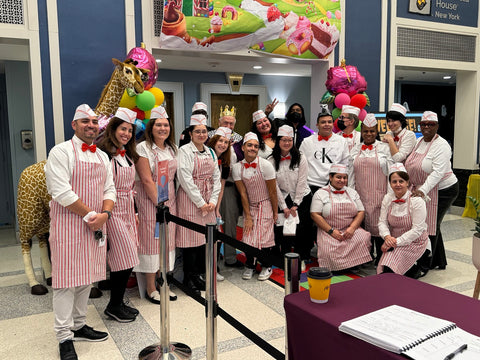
(429, 116)
(370, 120)
(349, 109)
(285, 130)
(199, 106)
(397, 167)
(338, 169)
(198, 119)
(398, 108)
(224, 131)
(258, 115)
(158, 112)
(84, 112)
(250, 136)
(126, 115)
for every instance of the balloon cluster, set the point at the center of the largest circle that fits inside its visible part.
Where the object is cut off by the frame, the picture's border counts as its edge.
(345, 86)
(143, 103)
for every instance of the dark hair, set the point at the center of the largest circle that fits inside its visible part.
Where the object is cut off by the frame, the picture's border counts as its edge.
(273, 131)
(302, 120)
(361, 137)
(149, 135)
(323, 114)
(200, 112)
(402, 174)
(395, 115)
(226, 155)
(277, 155)
(109, 143)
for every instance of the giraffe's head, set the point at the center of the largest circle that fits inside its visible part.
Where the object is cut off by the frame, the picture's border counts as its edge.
(130, 76)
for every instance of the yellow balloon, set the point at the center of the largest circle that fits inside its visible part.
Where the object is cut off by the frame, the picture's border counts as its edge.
(147, 114)
(159, 96)
(127, 101)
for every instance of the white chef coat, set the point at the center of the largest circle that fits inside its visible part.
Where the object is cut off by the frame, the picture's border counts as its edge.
(409, 140)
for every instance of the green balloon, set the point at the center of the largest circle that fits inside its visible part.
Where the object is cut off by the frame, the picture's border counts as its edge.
(336, 113)
(145, 101)
(359, 127)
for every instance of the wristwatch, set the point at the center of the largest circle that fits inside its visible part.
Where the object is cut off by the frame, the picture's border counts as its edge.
(330, 232)
(109, 213)
(295, 204)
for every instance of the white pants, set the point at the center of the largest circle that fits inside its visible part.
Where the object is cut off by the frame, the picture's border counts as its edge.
(70, 309)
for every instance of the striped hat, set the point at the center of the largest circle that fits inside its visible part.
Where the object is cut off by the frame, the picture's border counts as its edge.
(84, 112)
(158, 112)
(126, 115)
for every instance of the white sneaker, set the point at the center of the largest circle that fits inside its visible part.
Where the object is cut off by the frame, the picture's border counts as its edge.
(265, 274)
(220, 277)
(247, 274)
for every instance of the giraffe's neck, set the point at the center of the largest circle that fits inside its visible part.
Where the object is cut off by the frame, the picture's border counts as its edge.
(111, 95)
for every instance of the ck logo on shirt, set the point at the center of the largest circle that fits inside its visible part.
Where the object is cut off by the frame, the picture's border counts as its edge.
(322, 156)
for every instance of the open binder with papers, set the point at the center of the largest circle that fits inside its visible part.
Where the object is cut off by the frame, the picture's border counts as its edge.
(419, 336)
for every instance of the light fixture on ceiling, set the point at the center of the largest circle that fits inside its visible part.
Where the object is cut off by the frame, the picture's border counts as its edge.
(258, 67)
(447, 77)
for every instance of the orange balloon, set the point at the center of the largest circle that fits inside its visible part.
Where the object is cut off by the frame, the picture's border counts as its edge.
(159, 96)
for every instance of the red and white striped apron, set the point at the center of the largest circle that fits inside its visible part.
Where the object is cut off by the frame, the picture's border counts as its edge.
(147, 211)
(202, 173)
(413, 165)
(77, 259)
(262, 233)
(402, 258)
(339, 255)
(371, 187)
(121, 228)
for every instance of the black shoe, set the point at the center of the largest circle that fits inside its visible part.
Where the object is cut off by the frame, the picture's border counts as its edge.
(191, 286)
(119, 313)
(95, 293)
(154, 297)
(130, 309)
(237, 264)
(86, 333)
(199, 282)
(67, 350)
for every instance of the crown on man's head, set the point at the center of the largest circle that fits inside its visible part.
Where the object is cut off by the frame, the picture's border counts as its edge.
(226, 112)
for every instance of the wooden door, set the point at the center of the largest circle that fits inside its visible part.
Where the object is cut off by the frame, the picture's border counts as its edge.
(168, 105)
(246, 105)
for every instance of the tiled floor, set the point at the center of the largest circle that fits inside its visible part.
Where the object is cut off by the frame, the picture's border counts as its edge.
(26, 321)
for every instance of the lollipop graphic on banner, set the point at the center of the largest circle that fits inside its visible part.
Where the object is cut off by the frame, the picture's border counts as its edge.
(345, 86)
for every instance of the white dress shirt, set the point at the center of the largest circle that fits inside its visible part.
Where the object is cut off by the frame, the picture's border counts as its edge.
(291, 182)
(437, 164)
(267, 170)
(321, 155)
(382, 152)
(409, 139)
(353, 141)
(59, 169)
(417, 210)
(185, 164)
(265, 153)
(144, 150)
(321, 200)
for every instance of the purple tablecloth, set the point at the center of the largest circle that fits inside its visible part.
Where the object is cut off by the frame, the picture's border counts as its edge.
(313, 328)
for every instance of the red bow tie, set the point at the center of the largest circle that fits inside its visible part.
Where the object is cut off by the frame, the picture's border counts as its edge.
(320, 137)
(268, 136)
(339, 191)
(398, 201)
(365, 147)
(253, 165)
(285, 158)
(86, 147)
(121, 152)
(348, 136)
(219, 162)
(396, 138)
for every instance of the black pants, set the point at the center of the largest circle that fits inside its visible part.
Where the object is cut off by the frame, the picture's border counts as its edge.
(118, 283)
(193, 261)
(251, 261)
(446, 197)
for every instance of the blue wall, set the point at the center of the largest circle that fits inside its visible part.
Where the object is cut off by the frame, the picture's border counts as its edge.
(286, 88)
(363, 43)
(90, 33)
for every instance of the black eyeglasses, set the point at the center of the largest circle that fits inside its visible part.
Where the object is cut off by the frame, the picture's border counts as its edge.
(432, 124)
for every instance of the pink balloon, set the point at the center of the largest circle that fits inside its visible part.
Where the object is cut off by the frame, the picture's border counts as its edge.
(362, 114)
(342, 99)
(145, 61)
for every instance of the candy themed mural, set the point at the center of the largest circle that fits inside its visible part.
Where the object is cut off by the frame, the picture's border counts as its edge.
(307, 29)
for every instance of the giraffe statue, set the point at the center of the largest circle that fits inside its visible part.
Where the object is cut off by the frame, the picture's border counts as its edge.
(34, 219)
(125, 76)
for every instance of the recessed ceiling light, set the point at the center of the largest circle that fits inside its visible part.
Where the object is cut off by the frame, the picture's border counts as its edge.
(447, 77)
(158, 60)
(257, 67)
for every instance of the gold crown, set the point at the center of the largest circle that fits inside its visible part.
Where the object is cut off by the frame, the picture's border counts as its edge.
(226, 112)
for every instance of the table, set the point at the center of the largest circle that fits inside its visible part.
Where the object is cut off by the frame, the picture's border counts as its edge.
(313, 328)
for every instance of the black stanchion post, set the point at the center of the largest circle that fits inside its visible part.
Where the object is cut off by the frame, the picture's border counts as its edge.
(211, 292)
(292, 280)
(165, 350)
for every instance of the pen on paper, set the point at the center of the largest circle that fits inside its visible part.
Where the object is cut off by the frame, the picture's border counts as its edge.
(458, 351)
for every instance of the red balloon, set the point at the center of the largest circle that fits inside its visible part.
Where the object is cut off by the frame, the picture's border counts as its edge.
(140, 113)
(359, 101)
